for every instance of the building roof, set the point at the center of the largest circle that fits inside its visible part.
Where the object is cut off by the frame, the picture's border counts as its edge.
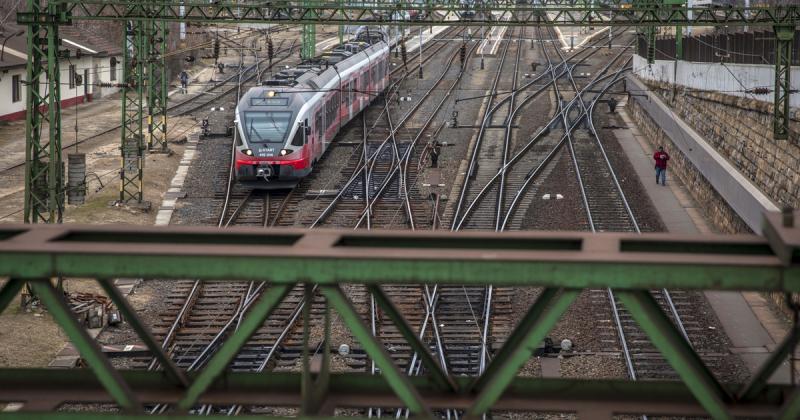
(14, 54)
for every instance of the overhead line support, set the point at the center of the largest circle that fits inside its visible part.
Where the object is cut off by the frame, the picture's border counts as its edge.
(784, 38)
(132, 147)
(157, 85)
(44, 173)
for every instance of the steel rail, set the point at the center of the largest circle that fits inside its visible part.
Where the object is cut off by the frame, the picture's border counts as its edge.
(527, 100)
(284, 333)
(413, 366)
(409, 150)
(431, 298)
(484, 123)
(531, 175)
(588, 113)
(196, 286)
(364, 165)
(393, 88)
(507, 139)
(557, 114)
(367, 212)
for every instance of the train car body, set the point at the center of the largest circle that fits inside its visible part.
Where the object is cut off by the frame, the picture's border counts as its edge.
(285, 125)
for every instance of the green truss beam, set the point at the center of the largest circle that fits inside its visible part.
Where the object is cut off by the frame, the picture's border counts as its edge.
(129, 315)
(364, 390)
(44, 177)
(399, 383)
(531, 330)
(223, 357)
(322, 259)
(109, 377)
(432, 368)
(570, 260)
(132, 147)
(680, 355)
(507, 12)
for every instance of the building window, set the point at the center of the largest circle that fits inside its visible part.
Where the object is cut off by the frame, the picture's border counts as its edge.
(16, 91)
(72, 76)
(113, 75)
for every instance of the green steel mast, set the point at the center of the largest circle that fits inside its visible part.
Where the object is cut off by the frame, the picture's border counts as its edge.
(132, 147)
(44, 173)
(157, 85)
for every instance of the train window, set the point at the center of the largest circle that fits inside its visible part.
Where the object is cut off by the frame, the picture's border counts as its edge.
(266, 127)
(318, 121)
(269, 101)
(297, 140)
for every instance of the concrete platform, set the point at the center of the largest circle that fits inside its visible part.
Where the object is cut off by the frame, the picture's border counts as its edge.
(753, 329)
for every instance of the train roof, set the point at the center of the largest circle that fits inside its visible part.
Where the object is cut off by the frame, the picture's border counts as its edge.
(315, 71)
(305, 80)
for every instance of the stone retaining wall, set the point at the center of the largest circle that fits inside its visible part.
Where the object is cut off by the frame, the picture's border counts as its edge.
(715, 209)
(740, 129)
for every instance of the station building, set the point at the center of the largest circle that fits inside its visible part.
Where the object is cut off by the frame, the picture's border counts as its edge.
(99, 62)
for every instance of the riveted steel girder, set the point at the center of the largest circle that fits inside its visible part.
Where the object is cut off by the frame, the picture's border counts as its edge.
(572, 260)
(322, 259)
(505, 12)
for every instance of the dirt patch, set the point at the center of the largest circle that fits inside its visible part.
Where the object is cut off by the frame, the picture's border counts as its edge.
(28, 338)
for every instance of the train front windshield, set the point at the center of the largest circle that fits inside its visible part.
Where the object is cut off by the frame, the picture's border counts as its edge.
(266, 127)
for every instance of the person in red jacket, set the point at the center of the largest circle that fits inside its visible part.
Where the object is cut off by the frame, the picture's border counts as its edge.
(661, 157)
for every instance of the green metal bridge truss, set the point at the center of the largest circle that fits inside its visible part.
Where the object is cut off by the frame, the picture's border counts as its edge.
(560, 263)
(44, 182)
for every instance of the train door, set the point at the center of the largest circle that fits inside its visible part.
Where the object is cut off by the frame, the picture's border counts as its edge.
(319, 132)
(349, 99)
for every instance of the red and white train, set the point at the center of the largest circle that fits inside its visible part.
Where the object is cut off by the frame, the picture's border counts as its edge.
(285, 125)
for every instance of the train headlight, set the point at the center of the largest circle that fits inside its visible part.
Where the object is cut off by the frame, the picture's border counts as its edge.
(285, 152)
(248, 152)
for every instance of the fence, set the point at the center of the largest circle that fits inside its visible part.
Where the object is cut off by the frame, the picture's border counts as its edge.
(755, 47)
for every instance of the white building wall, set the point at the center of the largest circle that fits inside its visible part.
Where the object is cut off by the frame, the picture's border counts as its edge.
(732, 79)
(7, 107)
(67, 92)
(103, 75)
(99, 71)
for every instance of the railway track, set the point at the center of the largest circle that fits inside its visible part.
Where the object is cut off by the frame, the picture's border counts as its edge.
(202, 315)
(380, 166)
(607, 209)
(462, 325)
(205, 313)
